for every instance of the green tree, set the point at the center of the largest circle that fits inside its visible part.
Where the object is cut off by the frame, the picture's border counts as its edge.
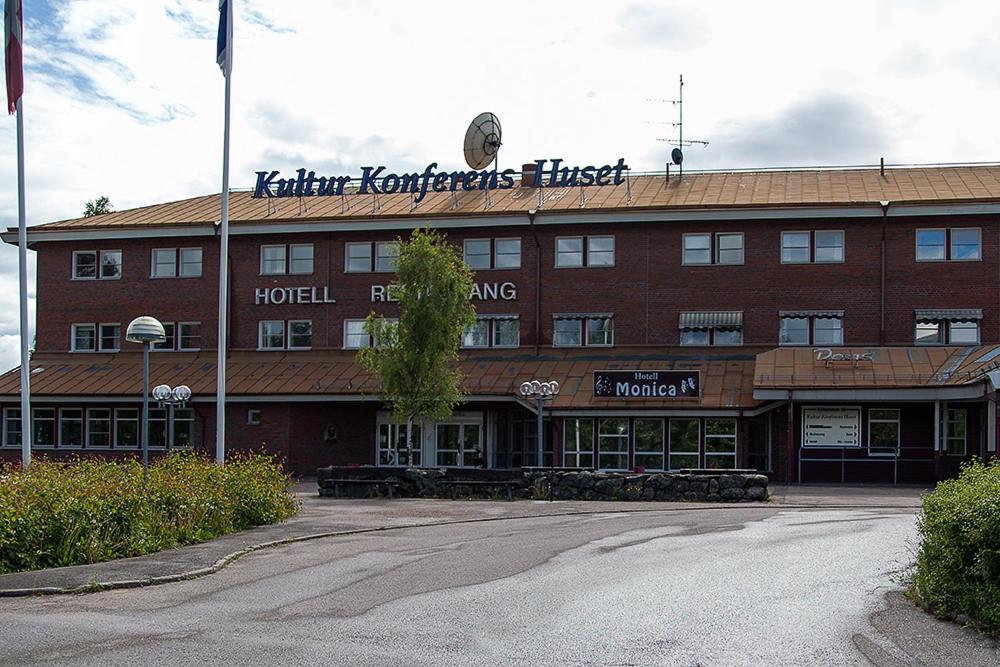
(99, 206)
(415, 358)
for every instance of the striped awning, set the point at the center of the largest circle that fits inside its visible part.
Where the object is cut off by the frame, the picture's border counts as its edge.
(798, 314)
(582, 316)
(948, 314)
(502, 316)
(720, 319)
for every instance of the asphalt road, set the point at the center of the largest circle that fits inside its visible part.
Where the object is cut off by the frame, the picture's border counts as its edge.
(722, 586)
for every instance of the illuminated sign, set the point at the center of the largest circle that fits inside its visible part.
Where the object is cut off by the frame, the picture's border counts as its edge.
(647, 384)
(375, 180)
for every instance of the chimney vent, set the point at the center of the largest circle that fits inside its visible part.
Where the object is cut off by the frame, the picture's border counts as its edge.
(528, 171)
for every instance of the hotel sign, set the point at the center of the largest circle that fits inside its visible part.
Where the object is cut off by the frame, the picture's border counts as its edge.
(647, 384)
(375, 180)
(281, 295)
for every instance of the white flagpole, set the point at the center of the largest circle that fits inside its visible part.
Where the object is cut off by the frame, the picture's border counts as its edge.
(220, 390)
(22, 265)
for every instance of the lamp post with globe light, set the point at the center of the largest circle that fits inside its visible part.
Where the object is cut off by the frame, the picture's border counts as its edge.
(169, 398)
(541, 392)
(147, 331)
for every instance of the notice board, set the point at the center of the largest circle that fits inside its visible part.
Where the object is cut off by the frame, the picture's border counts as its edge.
(831, 427)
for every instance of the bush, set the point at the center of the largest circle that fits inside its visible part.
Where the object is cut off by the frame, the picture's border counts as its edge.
(958, 564)
(85, 511)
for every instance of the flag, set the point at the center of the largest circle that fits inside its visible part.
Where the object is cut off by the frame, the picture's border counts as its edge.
(225, 38)
(12, 24)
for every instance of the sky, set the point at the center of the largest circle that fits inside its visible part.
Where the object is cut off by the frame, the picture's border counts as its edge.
(124, 99)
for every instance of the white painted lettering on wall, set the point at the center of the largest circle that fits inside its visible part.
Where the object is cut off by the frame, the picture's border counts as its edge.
(480, 292)
(276, 296)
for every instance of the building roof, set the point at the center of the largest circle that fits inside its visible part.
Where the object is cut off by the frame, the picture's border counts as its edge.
(726, 376)
(708, 190)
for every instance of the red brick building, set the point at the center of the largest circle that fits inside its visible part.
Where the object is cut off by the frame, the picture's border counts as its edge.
(839, 325)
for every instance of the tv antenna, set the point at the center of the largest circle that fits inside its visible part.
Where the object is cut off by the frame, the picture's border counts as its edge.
(482, 145)
(677, 154)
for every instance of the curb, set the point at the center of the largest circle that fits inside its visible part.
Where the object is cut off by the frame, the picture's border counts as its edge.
(97, 587)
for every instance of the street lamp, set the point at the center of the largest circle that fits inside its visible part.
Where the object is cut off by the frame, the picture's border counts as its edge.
(541, 392)
(146, 331)
(171, 398)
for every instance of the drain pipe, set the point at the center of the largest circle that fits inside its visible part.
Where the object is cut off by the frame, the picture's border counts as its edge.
(881, 322)
(538, 279)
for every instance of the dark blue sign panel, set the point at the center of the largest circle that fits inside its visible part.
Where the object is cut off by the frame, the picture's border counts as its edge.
(647, 384)
(375, 180)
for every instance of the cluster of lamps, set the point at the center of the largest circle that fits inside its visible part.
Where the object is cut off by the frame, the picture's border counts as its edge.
(540, 392)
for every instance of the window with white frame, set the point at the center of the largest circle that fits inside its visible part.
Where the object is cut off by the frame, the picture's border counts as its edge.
(569, 252)
(99, 427)
(71, 427)
(271, 335)
(721, 248)
(12, 427)
(97, 264)
(578, 442)
(506, 332)
(189, 262)
(493, 331)
(817, 247)
(477, 253)
(581, 251)
(386, 256)
(492, 253)
(292, 259)
(358, 257)
(175, 263)
(272, 260)
(720, 443)
(183, 427)
(110, 337)
(458, 445)
(83, 338)
(583, 330)
(507, 253)
(954, 244)
(649, 441)
(683, 443)
(189, 336)
(300, 258)
(711, 328)
(955, 431)
(282, 335)
(392, 444)
(355, 335)
(169, 339)
(157, 428)
(612, 443)
(933, 330)
(600, 251)
(883, 431)
(43, 427)
(126, 427)
(299, 334)
(566, 333)
(802, 328)
(477, 334)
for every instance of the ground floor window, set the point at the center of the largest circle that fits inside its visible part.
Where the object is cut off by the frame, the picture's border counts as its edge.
(955, 431)
(578, 443)
(183, 427)
(71, 427)
(720, 443)
(683, 443)
(126, 427)
(392, 444)
(43, 427)
(459, 445)
(99, 427)
(649, 444)
(613, 444)
(12, 427)
(883, 431)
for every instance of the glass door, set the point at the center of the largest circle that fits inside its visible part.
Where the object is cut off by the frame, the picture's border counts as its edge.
(459, 445)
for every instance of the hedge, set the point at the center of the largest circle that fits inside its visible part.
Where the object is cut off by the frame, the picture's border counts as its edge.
(958, 563)
(85, 511)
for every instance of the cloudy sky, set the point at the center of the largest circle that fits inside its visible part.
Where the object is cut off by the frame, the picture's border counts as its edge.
(122, 98)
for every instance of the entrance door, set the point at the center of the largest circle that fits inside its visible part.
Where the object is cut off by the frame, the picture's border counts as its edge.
(759, 445)
(459, 445)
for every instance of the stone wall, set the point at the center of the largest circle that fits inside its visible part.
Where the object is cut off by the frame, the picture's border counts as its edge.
(703, 486)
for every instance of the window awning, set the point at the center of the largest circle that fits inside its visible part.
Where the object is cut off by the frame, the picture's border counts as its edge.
(948, 314)
(798, 314)
(721, 319)
(504, 316)
(581, 316)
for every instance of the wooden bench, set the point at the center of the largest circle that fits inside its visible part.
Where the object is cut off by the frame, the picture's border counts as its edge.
(454, 484)
(389, 485)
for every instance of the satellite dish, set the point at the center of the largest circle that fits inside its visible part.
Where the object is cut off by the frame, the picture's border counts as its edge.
(482, 140)
(677, 156)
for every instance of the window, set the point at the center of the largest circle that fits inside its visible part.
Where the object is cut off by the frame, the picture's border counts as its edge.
(271, 335)
(183, 427)
(94, 264)
(477, 334)
(99, 427)
(957, 244)
(883, 431)
(940, 328)
(164, 263)
(811, 329)
(169, 341)
(386, 256)
(578, 443)
(720, 443)
(300, 258)
(820, 247)
(126, 427)
(189, 335)
(612, 444)
(110, 339)
(459, 445)
(695, 337)
(358, 257)
(355, 336)
(699, 249)
(12, 427)
(507, 332)
(43, 427)
(157, 428)
(955, 431)
(300, 334)
(649, 443)
(683, 443)
(711, 328)
(190, 262)
(477, 253)
(492, 253)
(569, 252)
(392, 444)
(71, 427)
(601, 251)
(84, 338)
(272, 260)
(568, 331)
(507, 253)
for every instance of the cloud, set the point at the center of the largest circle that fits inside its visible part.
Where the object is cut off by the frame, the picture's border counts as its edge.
(824, 129)
(656, 26)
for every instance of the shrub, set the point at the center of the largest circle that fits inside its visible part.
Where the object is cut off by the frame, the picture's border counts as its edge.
(958, 563)
(85, 511)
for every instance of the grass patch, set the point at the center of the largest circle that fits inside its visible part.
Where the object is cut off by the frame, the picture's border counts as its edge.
(958, 564)
(85, 511)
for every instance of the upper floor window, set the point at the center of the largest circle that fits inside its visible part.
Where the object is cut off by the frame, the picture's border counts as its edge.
(811, 328)
(718, 328)
(110, 337)
(820, 247)
(84, 338)
(955, 423)
(181, 337)
(956, 244)
(176, 262)
(282, 335)
(493, 331)
(579, 251)
(296, 258)
(947, 327)
(386, 256)
(583, 330)
(492, 253)
(358, 257)
(97, 264)
(355, 335)
(700, 249)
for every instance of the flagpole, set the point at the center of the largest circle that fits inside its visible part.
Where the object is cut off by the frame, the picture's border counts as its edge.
(220, 387)
(22, 265)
